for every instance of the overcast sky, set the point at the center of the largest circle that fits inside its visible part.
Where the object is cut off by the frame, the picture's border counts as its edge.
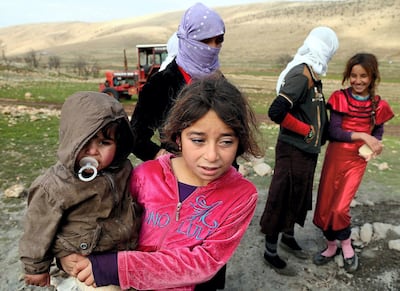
(15, 12)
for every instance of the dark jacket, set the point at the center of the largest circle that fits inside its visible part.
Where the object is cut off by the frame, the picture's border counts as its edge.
(66, 215)
(307, 104)
(154, 103)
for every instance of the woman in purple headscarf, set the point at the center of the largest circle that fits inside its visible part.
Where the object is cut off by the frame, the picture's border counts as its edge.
(200, 35)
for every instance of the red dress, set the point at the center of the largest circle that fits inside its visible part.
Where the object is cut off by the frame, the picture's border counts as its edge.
(343, 168)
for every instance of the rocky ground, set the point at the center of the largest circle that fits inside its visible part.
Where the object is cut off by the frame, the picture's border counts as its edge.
(379, 265)
(375, 217)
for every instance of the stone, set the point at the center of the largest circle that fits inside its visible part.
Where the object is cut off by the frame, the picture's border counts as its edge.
(262, 169)
(396, 229)
(383, 166)
(394, 244)
(381, 229)
(15, 191)
(354, 203)
(243, 169)
(366, 232)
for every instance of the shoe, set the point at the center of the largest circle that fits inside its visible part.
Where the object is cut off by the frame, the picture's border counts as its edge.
(279, 265)
(299, 253)
(320, 259)
(351, 264)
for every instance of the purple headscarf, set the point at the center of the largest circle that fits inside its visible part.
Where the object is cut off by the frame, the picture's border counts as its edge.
(199, 23)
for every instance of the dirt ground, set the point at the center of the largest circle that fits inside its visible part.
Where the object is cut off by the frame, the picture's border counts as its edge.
(379, 266)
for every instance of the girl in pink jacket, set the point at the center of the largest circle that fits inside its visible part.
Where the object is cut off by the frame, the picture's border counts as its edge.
(197, 206)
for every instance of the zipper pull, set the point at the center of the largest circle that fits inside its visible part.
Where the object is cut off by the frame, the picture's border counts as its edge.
(178, 209)
(318, 95)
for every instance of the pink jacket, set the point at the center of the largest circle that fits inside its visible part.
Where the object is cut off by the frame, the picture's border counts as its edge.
(184, 244)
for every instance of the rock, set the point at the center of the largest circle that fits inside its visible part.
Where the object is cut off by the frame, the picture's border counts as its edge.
(262, 169)
(16, 191)
(243, 169)
(383, 166)
(369, 203)
(339, 261)
(354, 203)
(68, 284)
(396, 229)
(381, 229)
(256, 161)
(355, 233)
(394, 244)
(355, 237)
(366, 232)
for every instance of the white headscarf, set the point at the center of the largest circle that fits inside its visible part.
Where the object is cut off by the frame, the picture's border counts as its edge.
(172, 49)
(317, 50)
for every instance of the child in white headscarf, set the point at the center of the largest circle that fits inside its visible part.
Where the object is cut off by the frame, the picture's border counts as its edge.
(317, 50)
(172, 49)
(300, 110)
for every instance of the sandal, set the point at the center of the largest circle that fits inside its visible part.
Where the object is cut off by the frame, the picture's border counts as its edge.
(320, 259)
(351, 264)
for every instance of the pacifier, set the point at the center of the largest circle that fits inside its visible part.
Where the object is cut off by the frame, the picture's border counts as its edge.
(87, 163)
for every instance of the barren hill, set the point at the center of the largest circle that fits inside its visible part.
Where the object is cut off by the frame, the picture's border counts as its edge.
(256, 34)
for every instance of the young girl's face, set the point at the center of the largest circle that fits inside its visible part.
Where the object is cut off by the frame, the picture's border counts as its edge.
(359, 80)
(100, 148)
(209, 148)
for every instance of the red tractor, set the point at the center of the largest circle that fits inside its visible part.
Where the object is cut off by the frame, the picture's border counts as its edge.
(124, 84)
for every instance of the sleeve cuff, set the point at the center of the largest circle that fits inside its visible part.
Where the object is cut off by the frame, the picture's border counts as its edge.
(105, 269)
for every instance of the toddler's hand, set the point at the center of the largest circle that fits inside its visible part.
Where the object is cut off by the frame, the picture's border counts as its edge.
(41, 280)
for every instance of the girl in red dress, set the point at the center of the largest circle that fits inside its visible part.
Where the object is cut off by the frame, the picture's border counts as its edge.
(357, 118)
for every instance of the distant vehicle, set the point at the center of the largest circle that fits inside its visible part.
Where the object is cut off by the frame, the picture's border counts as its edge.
(124, 84)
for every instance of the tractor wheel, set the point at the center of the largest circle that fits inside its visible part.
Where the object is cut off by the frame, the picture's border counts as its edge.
(112, 92)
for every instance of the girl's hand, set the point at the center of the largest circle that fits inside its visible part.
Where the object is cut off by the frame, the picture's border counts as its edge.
(84, 273)
(41, 280)
(68, 263)
(375, 145)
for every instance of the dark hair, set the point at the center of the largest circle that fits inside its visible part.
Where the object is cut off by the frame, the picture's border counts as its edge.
(215, 93)
(121, 138)
(106, 130)
(370, 63)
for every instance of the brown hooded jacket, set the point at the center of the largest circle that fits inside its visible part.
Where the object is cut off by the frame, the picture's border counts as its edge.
(66, 215)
